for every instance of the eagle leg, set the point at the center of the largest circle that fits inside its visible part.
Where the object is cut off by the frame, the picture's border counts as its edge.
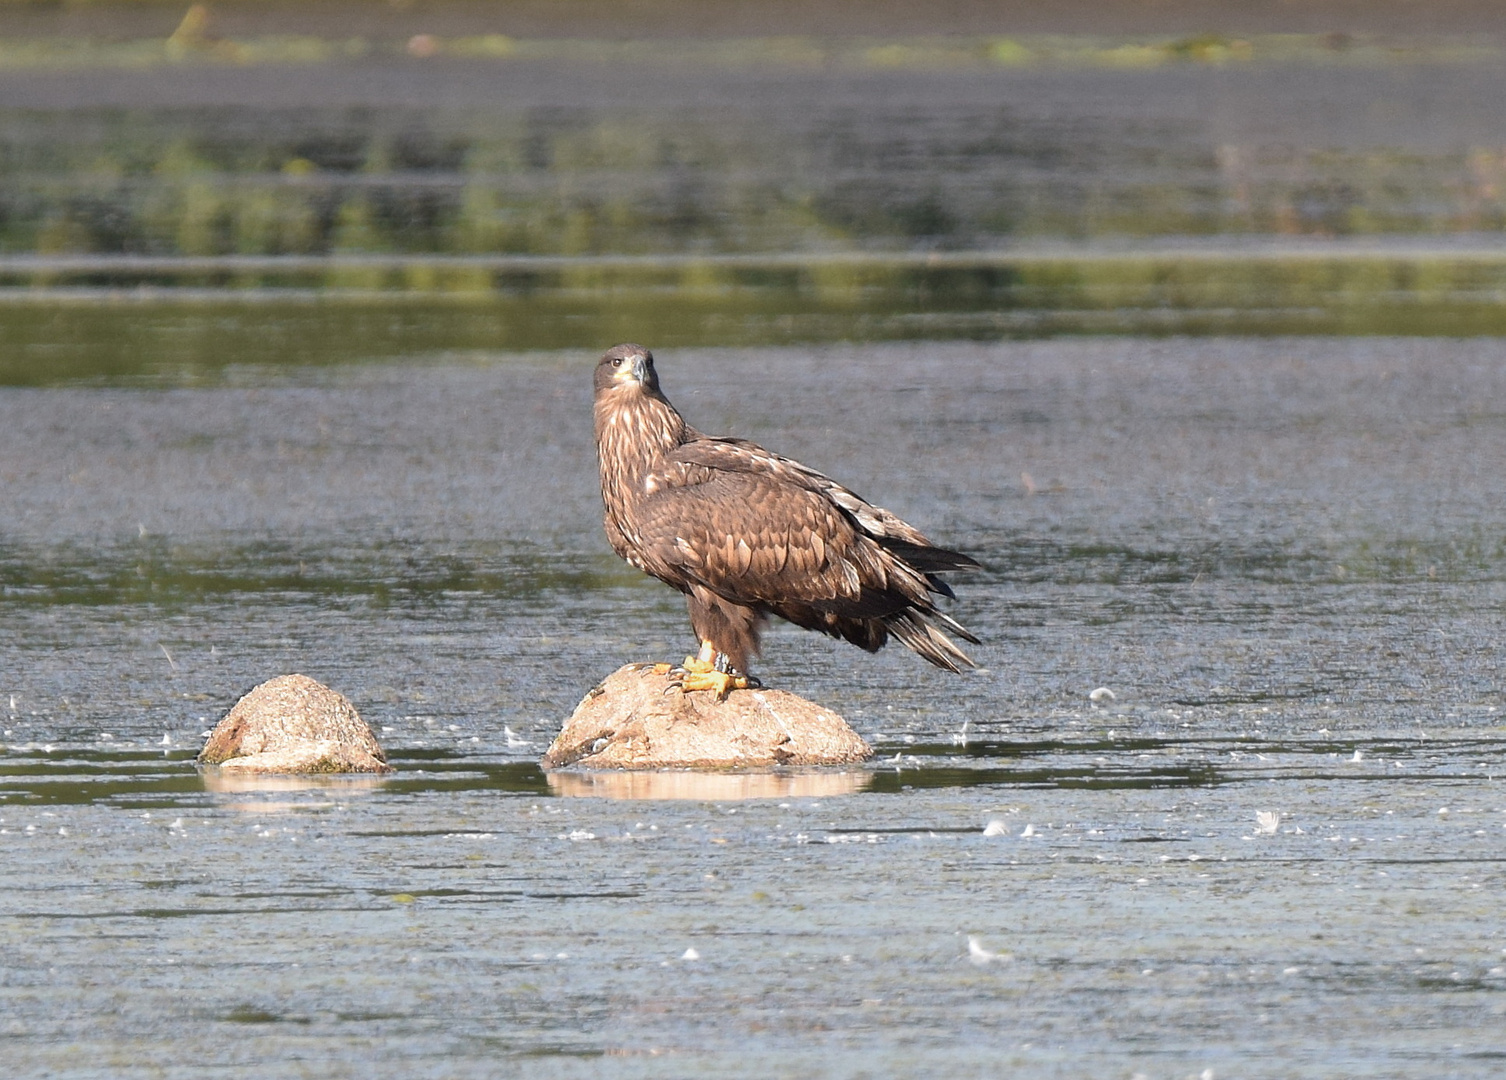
(711, 670)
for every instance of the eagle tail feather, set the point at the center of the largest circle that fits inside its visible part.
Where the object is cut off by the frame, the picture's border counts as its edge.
(953, 625)
(928, 642)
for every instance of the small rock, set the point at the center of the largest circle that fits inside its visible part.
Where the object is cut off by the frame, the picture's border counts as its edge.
(636, 719)
(294, 724)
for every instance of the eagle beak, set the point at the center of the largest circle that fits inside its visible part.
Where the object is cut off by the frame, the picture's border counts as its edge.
(639, 370)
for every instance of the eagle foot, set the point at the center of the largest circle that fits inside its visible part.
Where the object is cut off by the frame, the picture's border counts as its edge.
(717, 676)
(719, 682)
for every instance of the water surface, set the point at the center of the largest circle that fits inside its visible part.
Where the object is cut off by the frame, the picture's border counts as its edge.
(1283, 556)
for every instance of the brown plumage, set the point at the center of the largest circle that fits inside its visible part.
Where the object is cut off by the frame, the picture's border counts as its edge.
(745, 533)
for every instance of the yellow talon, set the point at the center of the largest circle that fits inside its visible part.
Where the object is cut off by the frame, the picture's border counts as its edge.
(700, 672)
(717, 681)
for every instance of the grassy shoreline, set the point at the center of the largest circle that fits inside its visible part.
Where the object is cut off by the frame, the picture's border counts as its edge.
(90, 326)
(978, 52)
(278, 183)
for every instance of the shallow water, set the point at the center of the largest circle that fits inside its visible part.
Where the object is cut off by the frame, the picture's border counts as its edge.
(1283, 556)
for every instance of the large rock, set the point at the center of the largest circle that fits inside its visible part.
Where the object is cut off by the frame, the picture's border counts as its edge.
(294, 724)
(636, 719)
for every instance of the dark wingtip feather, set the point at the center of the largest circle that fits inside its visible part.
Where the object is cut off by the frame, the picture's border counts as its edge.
(939, 587)
(929, 560)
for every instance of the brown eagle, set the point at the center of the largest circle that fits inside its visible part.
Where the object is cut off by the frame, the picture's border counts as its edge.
(745, 533)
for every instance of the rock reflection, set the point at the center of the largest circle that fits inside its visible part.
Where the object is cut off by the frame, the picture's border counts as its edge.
(221, 782)
(709, 787)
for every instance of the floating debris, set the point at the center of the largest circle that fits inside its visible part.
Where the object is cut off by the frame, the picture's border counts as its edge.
(981, 956)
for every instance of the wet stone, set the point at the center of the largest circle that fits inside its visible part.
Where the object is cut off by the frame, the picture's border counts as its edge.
(637, 719)
(294, 724)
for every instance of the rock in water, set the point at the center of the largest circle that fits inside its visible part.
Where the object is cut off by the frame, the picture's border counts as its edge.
(630, 722)
(294, 724)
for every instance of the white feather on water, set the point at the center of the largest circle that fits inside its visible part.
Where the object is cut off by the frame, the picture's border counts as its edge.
(981, 956)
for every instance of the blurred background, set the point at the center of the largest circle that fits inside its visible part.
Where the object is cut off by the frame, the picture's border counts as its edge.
(563, 173)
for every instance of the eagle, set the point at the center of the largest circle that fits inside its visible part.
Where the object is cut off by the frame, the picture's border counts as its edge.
(745, 533)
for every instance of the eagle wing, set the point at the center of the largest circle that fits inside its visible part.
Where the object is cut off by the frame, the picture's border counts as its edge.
(742, 456)
(753, 537)
(764, 531)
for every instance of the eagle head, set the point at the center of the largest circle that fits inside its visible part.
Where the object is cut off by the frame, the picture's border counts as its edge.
(627, 367)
